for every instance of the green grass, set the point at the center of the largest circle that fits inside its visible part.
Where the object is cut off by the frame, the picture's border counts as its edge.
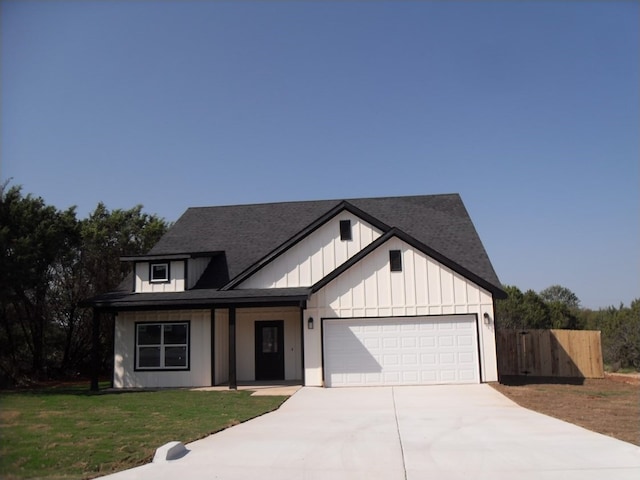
(71, 433)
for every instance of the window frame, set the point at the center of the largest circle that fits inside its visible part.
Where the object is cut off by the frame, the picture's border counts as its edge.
(162, 346)
(165, 279)
(346, 232)
(395, 260)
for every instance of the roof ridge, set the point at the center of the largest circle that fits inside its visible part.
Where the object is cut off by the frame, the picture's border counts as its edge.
(320, 200)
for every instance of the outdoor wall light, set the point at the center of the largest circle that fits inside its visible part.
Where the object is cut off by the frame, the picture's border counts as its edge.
(310, 323)
(487, 318)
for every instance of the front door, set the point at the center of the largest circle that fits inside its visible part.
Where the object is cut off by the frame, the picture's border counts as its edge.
(270, 350)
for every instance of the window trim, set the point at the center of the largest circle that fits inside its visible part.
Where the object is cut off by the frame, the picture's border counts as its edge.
(346, 232)
(395, 260)
(166, 279)
(162, 345)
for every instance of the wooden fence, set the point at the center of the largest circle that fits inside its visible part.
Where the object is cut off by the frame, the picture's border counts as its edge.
(550, 353)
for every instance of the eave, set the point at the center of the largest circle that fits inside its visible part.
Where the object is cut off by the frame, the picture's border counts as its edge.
(201, 298)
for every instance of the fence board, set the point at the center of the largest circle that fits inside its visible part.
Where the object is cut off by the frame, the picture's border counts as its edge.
(550, 353)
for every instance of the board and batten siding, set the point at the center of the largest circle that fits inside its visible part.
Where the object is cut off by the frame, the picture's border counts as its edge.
(246, 319)
(424, 287)
(199, 373)
(176, 278)
(315, 256)
(245, 342)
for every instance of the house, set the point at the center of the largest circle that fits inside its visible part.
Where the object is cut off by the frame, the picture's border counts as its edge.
(371, 291)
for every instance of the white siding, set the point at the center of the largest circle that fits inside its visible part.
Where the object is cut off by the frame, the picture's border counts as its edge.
(199, 373)
(424, 287)
(176, 281)
(245, 338)
(316, 256)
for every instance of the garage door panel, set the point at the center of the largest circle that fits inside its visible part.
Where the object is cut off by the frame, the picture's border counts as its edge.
(400, 351)
(446, 341)
(427, 342)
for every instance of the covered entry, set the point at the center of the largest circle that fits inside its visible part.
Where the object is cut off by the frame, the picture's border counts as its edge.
(400, 351)
(257, 344)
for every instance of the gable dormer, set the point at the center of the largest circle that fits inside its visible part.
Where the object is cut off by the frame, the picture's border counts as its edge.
(167, 273)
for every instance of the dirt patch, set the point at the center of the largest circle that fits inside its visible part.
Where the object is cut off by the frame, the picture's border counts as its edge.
(632, 378)
(610, 406)
(8, 416)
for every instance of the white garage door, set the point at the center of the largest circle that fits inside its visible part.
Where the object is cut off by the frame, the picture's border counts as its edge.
(400, 351)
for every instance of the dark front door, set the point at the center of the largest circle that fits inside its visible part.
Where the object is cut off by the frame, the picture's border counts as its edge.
(270, 350)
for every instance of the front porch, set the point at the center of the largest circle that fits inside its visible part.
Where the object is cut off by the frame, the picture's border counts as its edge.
(257, 345)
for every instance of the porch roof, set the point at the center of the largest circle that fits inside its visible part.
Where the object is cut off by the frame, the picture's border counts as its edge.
(200, 298)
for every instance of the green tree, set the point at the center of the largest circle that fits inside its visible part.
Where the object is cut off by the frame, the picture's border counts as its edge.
(522, 310)
(562, 295)
(106, 236)
(49, 263)
(535, 311)
(509, 311)
(621, 335)
(564, 317)
(34, 240)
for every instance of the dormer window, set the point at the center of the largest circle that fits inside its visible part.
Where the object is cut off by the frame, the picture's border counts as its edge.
(345, 230)
(159, 272)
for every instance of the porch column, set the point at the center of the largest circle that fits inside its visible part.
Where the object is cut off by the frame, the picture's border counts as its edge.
(213, 346)
(233, 382)
(95, 350)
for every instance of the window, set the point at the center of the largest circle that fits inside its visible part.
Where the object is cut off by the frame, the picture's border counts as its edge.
(159, 272)
(345, 230)
(162, 346)
(395, 260)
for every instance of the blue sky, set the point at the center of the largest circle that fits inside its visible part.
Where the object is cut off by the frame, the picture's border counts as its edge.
(529, 110)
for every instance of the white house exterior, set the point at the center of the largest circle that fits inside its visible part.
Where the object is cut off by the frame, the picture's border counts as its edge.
(384, 291)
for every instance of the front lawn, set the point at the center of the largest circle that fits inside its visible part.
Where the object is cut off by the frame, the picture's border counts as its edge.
(71, 433)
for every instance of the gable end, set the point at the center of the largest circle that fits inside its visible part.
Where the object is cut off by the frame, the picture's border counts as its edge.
(304, 233)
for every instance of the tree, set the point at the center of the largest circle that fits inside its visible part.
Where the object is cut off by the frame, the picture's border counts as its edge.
(34, 239)
(564, 317)
(535, 312)
(107, 236)
(562, 295)
(49, 263)
(621, 335)
(509, 310)
(522, 310)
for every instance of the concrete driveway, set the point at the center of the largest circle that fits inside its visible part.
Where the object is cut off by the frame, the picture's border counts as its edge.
(437, 432)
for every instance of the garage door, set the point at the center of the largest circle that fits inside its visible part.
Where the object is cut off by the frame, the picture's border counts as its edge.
(400, 351)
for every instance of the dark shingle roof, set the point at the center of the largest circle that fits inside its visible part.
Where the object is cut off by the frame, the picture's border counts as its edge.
(200, 298)
(248, 233)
